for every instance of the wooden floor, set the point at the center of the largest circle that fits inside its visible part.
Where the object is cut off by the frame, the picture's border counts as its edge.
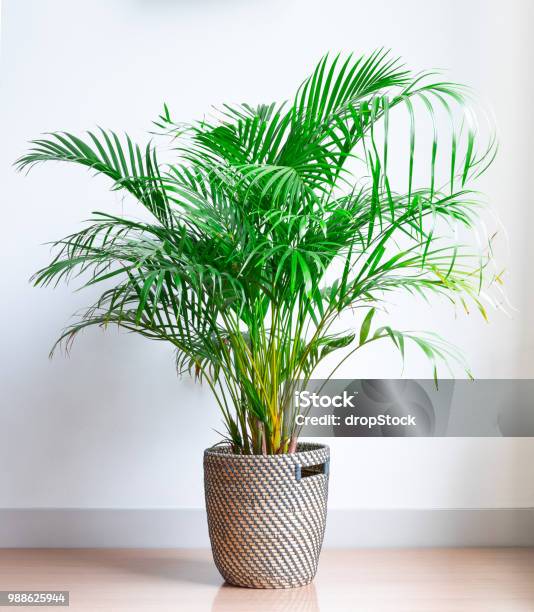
(448, 580)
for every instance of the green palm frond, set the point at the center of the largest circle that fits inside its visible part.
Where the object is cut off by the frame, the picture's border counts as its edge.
(271, 221)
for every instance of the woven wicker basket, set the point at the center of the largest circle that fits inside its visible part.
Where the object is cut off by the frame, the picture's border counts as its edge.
(267, 514)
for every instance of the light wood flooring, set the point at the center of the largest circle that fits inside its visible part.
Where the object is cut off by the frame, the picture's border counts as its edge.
(424, 580)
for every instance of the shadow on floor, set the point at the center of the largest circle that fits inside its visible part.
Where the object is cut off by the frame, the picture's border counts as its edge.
(198, 571)
(165, 564)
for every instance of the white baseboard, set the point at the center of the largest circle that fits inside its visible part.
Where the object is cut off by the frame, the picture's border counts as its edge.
(102, 528)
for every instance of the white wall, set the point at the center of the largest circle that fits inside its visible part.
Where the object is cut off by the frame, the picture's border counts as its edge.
(111, 426)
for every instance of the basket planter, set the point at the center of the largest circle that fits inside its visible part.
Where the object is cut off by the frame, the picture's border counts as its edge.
(267, 514)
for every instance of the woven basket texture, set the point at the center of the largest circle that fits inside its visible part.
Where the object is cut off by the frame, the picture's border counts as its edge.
(267, 514)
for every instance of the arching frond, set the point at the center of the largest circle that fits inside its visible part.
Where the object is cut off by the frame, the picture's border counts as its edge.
(270, 221)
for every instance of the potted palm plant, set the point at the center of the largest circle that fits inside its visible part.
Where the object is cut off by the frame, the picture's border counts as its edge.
(265, 226)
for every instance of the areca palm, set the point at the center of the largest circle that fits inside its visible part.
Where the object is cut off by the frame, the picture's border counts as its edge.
(272, 221)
